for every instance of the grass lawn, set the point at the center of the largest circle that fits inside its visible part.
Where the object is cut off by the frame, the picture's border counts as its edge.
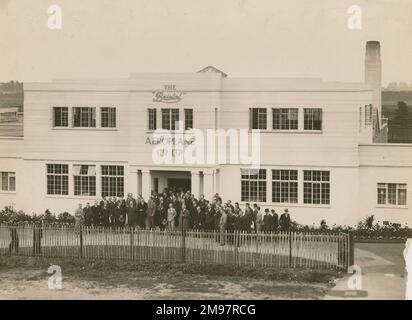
(27, 278)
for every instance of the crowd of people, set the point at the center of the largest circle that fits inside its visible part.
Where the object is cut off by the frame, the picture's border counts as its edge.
(174, 209)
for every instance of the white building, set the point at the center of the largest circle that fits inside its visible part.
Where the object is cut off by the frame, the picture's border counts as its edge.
(84, 139)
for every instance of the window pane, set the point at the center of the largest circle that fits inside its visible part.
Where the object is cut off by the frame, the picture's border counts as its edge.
(188, 119)
(152, 119)
(381, 193)
(391, 193)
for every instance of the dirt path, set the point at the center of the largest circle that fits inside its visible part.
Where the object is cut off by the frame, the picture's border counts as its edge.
(32, 283)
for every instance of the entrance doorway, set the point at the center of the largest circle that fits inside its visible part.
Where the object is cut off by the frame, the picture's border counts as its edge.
(178, 183)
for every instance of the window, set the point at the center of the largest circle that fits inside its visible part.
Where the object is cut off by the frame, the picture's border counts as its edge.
(8, 181)
(112, 181)
(170, 119)
(188, 119)
(152, 119)
(285, 186)
(58, 179)
(84, 180)
(312, 119)
(84, 117)
(258, 118)
(316, 187)
(108, 117)
(253, 185)
(285, 118)
(60, 116)
(392, 193)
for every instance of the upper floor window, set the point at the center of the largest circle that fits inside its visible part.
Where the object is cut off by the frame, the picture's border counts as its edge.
(8, 181)
(170, 119)
(253, 185)
(188, 119)
(84, 180)
(316, 187)
(84, 117)
(285, 186)
(285, 118)
(312, 119)
(392, 194)
(60, 116)
(108, 117)
(258, 118)
(152, 124)
(58, 179)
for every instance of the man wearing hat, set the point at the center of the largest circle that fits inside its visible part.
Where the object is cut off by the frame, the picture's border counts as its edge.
(284, 221)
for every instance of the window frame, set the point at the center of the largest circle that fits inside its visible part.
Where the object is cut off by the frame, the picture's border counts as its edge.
(151, 119)
(86, 181)
(115, 178)
(172, 114)
(256, 125)
(86, 115)
(278, 125)
(53, 177)
(316, 184)
(189, 117)
(285, 178)
(111, 117)
(382, 189)
(66, 109)
(9, 176)
(257, 181)
(309, 119)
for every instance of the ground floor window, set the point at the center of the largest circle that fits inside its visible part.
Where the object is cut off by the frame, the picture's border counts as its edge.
(58, 179)
(253, 185)
(112, 181)
(8, 181)
(285, 186)
(84, 177)
(392, 193)
(316, 187)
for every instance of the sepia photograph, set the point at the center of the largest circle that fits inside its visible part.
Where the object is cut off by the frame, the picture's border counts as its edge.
(182, 150)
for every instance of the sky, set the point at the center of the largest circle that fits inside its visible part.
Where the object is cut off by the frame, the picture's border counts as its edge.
(243, 38)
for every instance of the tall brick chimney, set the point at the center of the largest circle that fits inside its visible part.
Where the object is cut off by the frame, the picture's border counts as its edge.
(373, 77)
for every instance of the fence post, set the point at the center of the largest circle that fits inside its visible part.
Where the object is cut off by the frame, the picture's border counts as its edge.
(290, 249)
(351, 249)
(236, 235)
(183, 245)
(132, 243)
(81, 241)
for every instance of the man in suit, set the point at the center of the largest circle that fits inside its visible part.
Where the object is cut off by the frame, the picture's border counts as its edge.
(284, 221)
(275, 220)
(258, 220)
(88, 215)
(267, 221)
(222, 225)
(141, 212)
(151, 210)
(96, 213)
(247, 219)
(131, 206)
(254, 216)
(79, 217)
